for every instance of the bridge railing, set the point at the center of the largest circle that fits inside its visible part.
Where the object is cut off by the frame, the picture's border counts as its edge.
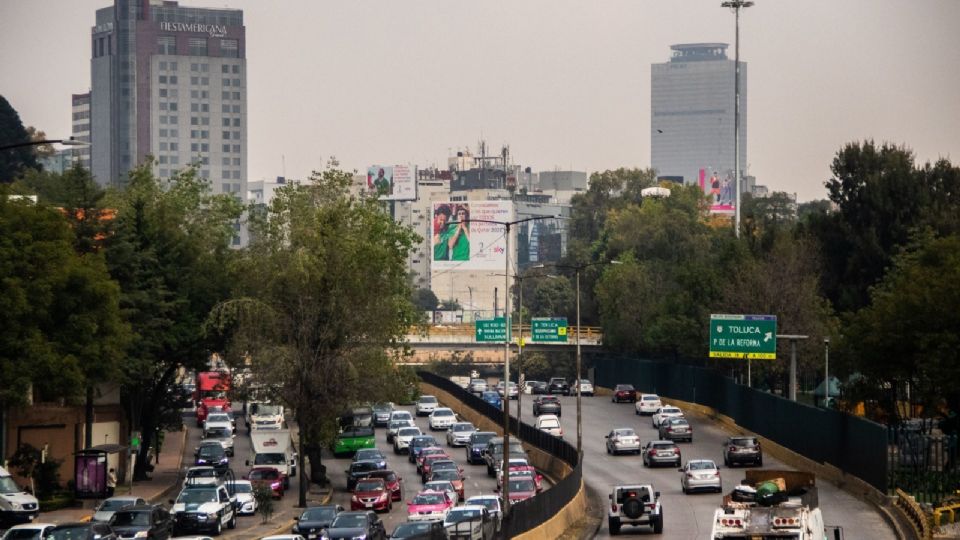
(467, 333)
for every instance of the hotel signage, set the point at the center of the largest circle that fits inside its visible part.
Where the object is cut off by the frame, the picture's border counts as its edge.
(213, 30)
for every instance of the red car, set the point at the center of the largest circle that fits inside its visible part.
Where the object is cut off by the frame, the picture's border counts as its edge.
(521, 488)
(393, 480)
(429, 451)
(427, 466)
(624, 392)
(269, 477)
(371, 494)
(451, 476)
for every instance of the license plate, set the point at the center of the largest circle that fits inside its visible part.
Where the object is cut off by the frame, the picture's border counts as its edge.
(368, 505)
(663, 454)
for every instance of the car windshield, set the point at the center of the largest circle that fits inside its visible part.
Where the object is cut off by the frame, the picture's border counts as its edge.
(349, 521)
(670, 410)
(443, 412)
(625, 433)
(411, 529)
(549, 423)
(491, 503)
(663, 446)
(197, 496)
(481, 438)
(651, 398)
(678, 422)
(7, 485)
(319, 514)
(446, 474)
(624, 387)
(112, 505)
(702, 465)
(429, 498)
(219, 417)
(491, 395)
(744, 442)
(264, 474)
(402, 415)
(408, 431)
(242, 488)
(388, 476)
(369, 485)
(268, 410)
(423, 441)
(211, 451)
(460, 514)
(382, 407)
(269, 459)
(522, 484)
(396, 424)
(363, 466)
(463, 427)
(126, 518)
(217, 433)
(201, 473)
(367, 453)
(70, 532)
(439, 485)
(478, 381)
(428, 399)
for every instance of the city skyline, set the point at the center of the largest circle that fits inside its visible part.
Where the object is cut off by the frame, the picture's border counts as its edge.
(566, 85)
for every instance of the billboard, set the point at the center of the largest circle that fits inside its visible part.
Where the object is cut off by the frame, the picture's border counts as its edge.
(393, 182)
(721, 191)
(462, 237)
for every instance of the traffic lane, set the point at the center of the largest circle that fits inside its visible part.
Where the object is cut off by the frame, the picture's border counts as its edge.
(690, 516)
(476, 481)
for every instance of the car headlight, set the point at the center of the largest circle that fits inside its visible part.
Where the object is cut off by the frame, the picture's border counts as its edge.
(142, 534)
(15, 506)
(361, 537)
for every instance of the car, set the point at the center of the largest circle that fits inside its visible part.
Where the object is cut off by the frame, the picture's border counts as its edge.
(448, 475)
(426, 465)
(264, 416)
(647, 404)
(246, 502)
(429, 506)
(546, 405)
(371, 494)
(203, 475)
(400, 414)
(459, 433)
(521, 488)
(676, 429)
(394, 425)
(442, 418)
(417, 444)
(220, 435)
(700, 475)
(559, 385)
(493, 454)
(549, 423)
(470, 522)
(477, 386)
(660, 452)
(350, 525)
(528, 387)
(352, 438)
(419, 530)
(476, 445)
(314, 520)
(624, 392)
(445, 486)
(743, 449)
(634, 505)
(205, 509)
(82, 531)
(371, 454)
(585, 387)
(521, 467)
(490, 502)
(381, 413)
(539, 387)
(104, 511)
(358, 470)
(429, 451)
(510, 388)
(623, 440)
(269, 477)
(218, 419)
(212, 454)
(667, 411)
(401, 442)
(28, 531)
(426, 405)
(142, 521)
(393, 480)
(279, 537)
(492, 397)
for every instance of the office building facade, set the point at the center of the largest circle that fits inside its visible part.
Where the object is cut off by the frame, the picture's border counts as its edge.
(80, 128)
(692, 113)
(170, 82)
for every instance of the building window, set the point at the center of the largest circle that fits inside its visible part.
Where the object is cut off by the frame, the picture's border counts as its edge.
(236, 149)
(226, 135)
(194, 80)
(236, 122)
(194, 133)
(225, 108)
(198, 46)
(173, 66)
(204, 147)
(204, 94)
(226, 148)
(173, 106)
(163, 119)
(229, 48)
(236, 95)
(163, 92)
(226, 122)
(174, 160)
(167, 44)
(194, 67)
(225, 161)
(173, 79)
(194, 121)
(236, 108)
(225, 69)
(204, 68)
(163, 133)
(194, 147)
(236, 135)
(164, 173)
(226, 82)
(205, 81)
(163, 105)
(163, 147)
(194, 107)
(163, 79)
(236, 162)
(204, 134)
(236, 68)
(163, 66)
(204, 120)
(204, 107)
(225, 95)
(163, 160)
(174, 147)
(174, 133)
(174, 93)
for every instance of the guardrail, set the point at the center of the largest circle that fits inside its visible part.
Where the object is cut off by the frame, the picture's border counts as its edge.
(918, 519)
(531, 513)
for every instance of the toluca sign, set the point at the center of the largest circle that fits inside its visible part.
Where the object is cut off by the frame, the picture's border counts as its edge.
(743, 336)
(213, 30)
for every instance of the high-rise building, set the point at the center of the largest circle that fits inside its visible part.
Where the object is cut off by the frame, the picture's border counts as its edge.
(81, 128)
(171, 82)
(692, 113)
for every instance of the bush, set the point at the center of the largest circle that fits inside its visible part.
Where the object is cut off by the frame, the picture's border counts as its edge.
(46, 475)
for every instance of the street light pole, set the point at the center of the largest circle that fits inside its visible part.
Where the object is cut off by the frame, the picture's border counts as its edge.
(577, 382)
(737, 5)
(65, 142)
(826, 371)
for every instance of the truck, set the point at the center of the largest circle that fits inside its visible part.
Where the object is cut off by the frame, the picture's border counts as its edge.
(16, 505)
(211, 392)
(773, 504)
(274, 448)
(264, 415)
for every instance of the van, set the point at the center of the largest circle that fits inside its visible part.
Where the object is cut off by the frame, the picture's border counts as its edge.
(16, 505)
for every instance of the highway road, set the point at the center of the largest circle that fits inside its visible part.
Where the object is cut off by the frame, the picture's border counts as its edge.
(688, 516)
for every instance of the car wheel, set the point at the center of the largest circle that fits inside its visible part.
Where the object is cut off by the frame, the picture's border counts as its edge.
(683, 489)
(760, 462)
(232, 524)
(645, 464)
(219, 528)
(614, 525)
(658, 524)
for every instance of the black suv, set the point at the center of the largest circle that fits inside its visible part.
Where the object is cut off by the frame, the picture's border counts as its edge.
(740, 450)
(559, 385)
(153, 521)
(546, 405)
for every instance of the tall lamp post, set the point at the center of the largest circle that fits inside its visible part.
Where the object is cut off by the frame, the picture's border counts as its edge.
(65, 142)
(736, 5)
(826, 371)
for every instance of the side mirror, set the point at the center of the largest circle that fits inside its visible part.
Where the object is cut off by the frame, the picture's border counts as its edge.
(680, 469)
(656, 494)
(248, 463)
(170, 501)
(610, 496)
(606, 436)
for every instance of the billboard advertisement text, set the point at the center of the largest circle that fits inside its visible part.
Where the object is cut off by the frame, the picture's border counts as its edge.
(463, 238)
(393, 182)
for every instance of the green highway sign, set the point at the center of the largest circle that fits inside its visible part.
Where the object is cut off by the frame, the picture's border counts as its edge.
(549, 329)
(491, 330)
(743, 336)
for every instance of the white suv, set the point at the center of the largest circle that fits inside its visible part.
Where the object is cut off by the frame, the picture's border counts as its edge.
(634, 505)
(648, 404)
(426, 405)
(442, 418)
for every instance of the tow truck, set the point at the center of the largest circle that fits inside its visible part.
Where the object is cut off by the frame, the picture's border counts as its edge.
(772, 504)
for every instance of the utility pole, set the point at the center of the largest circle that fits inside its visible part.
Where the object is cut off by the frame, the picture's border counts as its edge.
(736, 5)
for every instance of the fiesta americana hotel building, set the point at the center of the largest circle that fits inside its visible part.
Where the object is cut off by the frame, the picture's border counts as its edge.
(169, 81)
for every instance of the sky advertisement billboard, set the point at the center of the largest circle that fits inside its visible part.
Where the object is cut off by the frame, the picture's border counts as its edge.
(393, 182)
(720, 189)
(462, 237)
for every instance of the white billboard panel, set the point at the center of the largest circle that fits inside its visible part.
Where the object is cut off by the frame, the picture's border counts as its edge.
(393, 182)
(463, 237)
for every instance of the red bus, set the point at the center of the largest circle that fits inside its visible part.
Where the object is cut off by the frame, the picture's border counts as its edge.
(211, 392)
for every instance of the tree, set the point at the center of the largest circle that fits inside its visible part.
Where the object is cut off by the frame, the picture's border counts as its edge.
(169, 251)
(13, 161)
(763, 218)
(322, 305)
(44, 150)
(425, 300)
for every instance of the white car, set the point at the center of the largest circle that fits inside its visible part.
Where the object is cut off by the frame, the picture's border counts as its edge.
(28, 531)
(442, 418)
(220, 435)
(400, 415)
(401, 442)
(550, 423)
(218, 420)
(394, 425)
(105, 510)
(477, 386)
(459, 433)
(585, 387)
(468, 522)
(665, 412)
(267, 416)
(504, 390)
(647, 404)
(491, 502)
(203, 475)
(700, 474)
(246, 502)
(426, 405)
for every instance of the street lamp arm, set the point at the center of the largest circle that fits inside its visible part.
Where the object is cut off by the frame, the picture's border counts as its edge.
(66, 142)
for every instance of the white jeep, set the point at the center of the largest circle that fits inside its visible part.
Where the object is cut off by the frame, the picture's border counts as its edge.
(633, 505)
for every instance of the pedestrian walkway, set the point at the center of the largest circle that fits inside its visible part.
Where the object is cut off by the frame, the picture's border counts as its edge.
(164, 479)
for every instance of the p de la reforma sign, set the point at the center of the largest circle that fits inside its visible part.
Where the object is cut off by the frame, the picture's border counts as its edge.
(743, 336)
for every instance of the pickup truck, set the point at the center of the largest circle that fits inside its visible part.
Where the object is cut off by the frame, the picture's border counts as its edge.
(634, 505)
(203, 508)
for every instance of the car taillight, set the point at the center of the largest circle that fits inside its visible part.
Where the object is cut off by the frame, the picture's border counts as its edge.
(689, 475)
(613, 506)
(652, 452)
(785, 522)
(676, 451)
(275, 485)
(731, 522)
(733, 448)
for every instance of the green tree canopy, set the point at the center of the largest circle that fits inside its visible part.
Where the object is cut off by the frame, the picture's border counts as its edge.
(14, 161)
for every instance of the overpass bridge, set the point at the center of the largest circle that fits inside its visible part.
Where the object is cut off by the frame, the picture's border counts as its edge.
(455, 341)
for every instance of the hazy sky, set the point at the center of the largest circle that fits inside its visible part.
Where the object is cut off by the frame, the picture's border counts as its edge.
(565, 83)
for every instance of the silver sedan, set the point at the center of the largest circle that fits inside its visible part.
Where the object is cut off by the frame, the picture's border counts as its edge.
(700, 475)
(623, 440)
(459, 434)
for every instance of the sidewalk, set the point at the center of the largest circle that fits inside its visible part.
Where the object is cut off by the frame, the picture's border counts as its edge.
(163, 481)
